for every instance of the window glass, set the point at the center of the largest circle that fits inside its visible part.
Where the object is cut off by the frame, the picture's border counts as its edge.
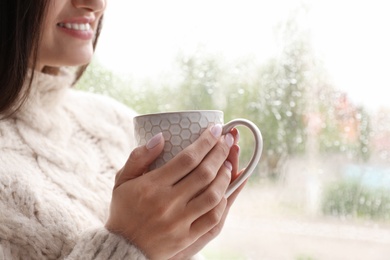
(313, 75)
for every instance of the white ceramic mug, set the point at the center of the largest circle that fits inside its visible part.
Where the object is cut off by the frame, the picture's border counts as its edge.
(181, 128)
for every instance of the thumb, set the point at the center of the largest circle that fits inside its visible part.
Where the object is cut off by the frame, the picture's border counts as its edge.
(140, 159)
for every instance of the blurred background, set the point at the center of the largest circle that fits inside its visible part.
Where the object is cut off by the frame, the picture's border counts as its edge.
(313, 75)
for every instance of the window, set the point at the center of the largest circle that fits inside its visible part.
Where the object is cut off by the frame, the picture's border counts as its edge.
(312, 74)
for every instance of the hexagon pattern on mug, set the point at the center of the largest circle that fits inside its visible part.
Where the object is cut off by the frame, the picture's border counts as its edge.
(179, 129)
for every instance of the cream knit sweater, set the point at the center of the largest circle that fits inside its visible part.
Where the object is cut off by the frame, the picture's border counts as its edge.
(58, 158)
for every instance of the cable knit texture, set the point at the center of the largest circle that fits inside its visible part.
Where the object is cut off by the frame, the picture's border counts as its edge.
(58, 158)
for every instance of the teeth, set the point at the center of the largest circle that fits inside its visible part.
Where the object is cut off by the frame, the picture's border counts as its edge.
(76, 26)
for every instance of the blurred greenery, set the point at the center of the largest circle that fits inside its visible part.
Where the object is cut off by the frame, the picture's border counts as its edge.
(277, 95)
(351, 198)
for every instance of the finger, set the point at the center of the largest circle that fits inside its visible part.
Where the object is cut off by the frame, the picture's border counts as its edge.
(234, 159)
(208, 226)
(210, 197)
(204, 239)
(140, 159)
(234, 153)
(212, 233)
(208, 221)
(206, 172)
(236, 135)
(215, 230)
(188, 159)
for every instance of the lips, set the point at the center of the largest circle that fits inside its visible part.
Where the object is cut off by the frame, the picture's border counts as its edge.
(79, 28)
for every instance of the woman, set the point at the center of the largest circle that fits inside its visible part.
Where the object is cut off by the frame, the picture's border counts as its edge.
(62, 151)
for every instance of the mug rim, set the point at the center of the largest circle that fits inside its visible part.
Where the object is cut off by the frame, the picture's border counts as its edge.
(181, 112)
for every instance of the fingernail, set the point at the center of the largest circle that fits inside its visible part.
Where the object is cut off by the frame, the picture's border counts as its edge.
(154, 141)
(229, 139)
(216, 130)
(228, 165)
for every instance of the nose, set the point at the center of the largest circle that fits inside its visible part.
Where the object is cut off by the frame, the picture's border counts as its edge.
(90, 5)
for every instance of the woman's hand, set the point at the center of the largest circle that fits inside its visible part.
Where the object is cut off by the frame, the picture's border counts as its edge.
(168, 210)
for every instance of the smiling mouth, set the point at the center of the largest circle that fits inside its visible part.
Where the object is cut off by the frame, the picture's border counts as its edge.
(76, 26)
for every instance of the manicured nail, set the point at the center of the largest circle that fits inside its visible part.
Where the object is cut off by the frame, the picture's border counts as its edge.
(229, 139)
(216, 130)
(154, 141)
(228, 165)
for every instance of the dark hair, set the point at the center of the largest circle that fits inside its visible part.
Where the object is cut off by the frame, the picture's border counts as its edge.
(21, 23)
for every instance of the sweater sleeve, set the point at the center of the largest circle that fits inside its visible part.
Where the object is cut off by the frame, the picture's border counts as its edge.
(26, 238)
(101, 244)
(36, 223)
(26, 232)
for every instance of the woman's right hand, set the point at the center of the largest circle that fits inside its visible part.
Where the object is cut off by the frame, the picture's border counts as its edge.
(168, 209)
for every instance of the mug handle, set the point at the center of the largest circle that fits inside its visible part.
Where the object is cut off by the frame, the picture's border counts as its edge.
(256, 153)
